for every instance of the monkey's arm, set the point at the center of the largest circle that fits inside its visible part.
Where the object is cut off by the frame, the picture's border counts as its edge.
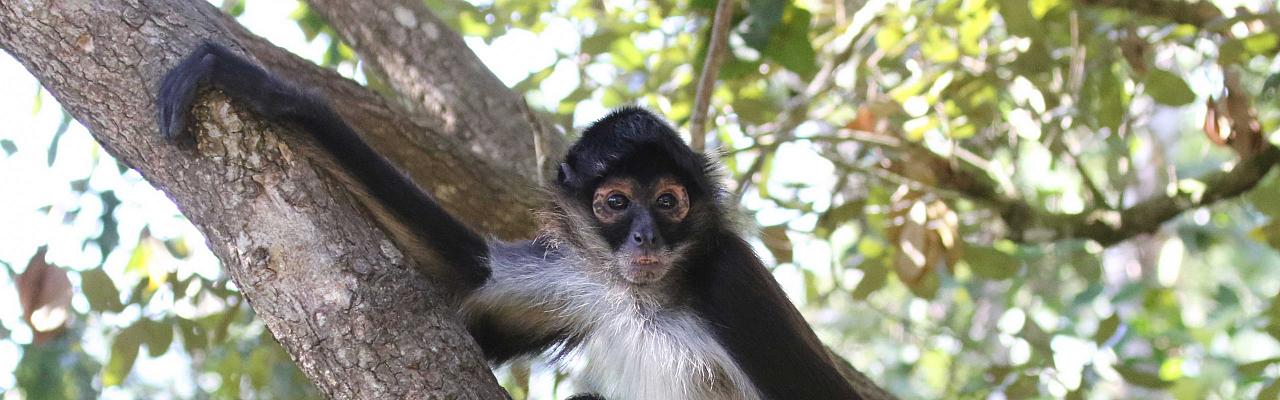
(526, 304)
(416, 221)
(764, 332)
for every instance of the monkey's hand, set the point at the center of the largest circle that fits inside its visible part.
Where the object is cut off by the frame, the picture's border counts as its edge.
(236, 76)
(178, 91)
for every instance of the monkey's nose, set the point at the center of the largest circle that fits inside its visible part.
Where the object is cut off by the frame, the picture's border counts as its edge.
(643, 237)
(638, 238)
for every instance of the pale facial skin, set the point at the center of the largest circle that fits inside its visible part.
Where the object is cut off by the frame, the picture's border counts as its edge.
(634, 217)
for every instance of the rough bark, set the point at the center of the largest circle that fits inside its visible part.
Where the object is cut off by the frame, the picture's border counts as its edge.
(435, 159)
(330, 286)
(443, 82)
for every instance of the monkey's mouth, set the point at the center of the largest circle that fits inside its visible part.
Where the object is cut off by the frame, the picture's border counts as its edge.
(644, 267)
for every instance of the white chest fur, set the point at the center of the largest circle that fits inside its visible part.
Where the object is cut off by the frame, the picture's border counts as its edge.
(671, 355)
(621, 352)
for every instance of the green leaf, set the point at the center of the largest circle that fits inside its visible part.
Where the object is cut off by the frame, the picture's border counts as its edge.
(124, 351)
(159, 336)
(626, 55)
(704, 5)
(831, 219)
(940, 46)
(100, 291)
(1269, 233)
(754, 110)
(599, 42)
(194, 337)
(1271, 391)
(259, 367)
(57, 136)
(790, 45)
(310, 22)
(233, 8)
(230, 367)
(1225, 296)
(8, 146)
(110, 236)
(1087, 295)
(875, 275)
(1041, 7)
(990, 263)
(1018, 18)
(1087, 265)
(1231, 52)
(1167, 88)
(928, 285)
(1026, 386)
(1110, 100)
(1256, 368)
(1269, 86)
(1142, 378)
(888, 36)
(140, 258)
(1106, 329)
(811, 289)
(38, 102)
(471, 24)
(1263, 197)
(1261, 43)
(764, 16)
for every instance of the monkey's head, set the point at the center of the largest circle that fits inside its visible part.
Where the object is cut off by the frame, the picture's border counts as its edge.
(642, 191)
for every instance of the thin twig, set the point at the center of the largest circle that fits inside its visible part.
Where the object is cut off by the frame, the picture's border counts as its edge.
(539, 153)
(710, 68)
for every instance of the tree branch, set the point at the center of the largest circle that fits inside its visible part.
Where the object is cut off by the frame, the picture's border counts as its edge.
(424, 62)
(1199, 13)
(710, 69)
(435, 160)
(1103, 225)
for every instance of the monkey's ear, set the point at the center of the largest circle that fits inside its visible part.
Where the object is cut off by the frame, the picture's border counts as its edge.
(567, 177)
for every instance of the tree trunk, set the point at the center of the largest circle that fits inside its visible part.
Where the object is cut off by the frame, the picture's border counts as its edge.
(331, 287)
(442, 81)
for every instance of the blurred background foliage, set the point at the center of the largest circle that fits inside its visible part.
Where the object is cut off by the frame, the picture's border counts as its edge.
(922, 174)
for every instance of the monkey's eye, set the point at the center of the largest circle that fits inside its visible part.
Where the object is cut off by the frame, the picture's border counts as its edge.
(617, 201)
(666, 201)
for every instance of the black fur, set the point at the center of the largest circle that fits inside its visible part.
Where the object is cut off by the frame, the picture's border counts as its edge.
(722, 279)
(625, 132)
(761, 328)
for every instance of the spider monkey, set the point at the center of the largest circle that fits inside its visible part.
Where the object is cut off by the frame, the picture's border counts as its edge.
(637, 273)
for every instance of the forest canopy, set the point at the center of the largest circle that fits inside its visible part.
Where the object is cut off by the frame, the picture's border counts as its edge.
(966, 198)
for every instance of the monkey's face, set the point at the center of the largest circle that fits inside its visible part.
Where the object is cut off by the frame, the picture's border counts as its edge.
(643, 220)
